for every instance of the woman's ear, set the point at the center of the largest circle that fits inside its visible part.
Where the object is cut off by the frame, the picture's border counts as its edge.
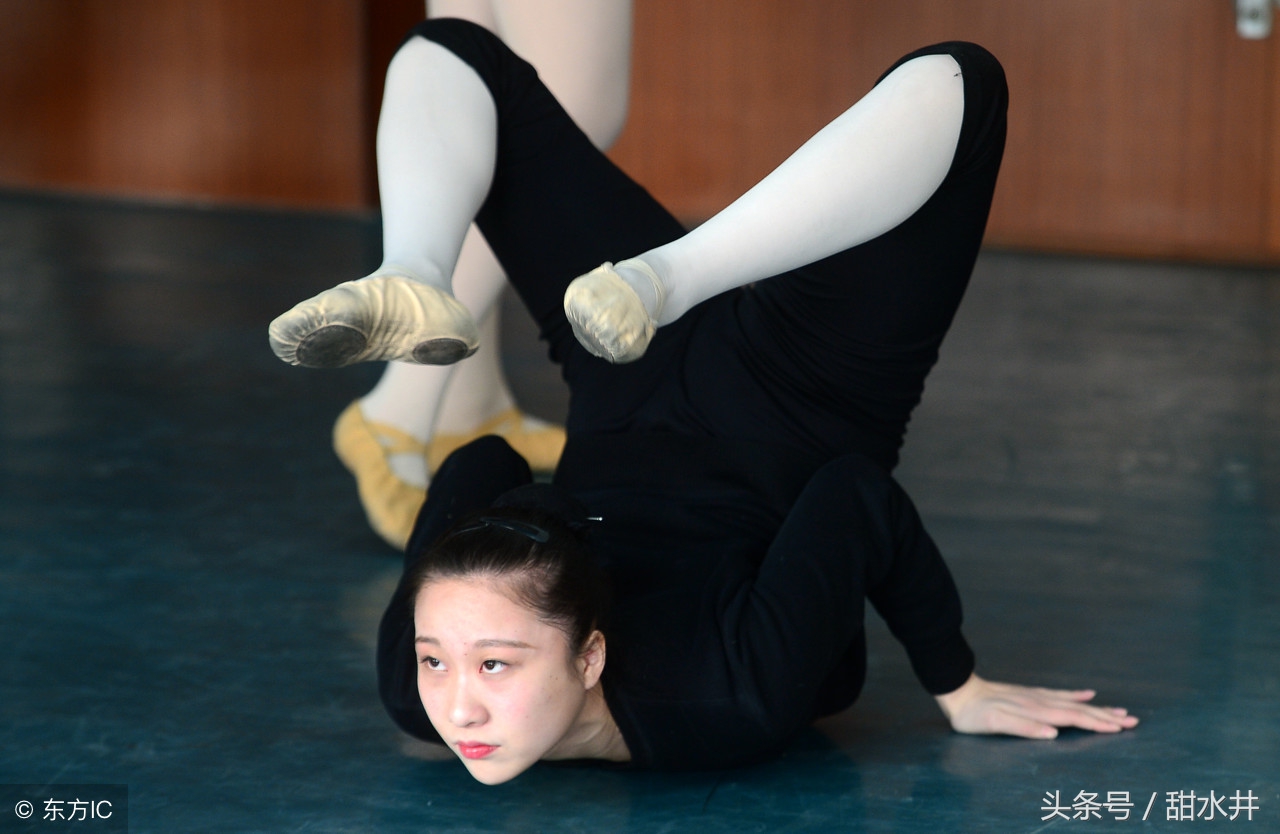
(591, 659)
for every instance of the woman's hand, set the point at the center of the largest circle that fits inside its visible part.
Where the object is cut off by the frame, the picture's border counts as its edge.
(982, 706)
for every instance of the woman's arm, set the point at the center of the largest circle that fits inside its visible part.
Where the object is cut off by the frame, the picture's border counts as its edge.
(851, 535)
(982, 706)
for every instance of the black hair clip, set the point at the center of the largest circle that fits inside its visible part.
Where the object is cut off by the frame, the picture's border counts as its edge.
(529, 531)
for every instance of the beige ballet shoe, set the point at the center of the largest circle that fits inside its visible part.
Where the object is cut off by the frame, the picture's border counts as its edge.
(383, 317)
(607, 315)
(390, 504)
(538, 443)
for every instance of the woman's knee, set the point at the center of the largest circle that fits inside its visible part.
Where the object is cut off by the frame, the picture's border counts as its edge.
(986, 98)
(853, 470)
(491, 455)
(477, 47)
(848, 493)
(471, 478)
(986, 103)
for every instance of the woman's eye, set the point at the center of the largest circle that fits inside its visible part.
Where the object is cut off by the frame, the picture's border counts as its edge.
(431, 662)
(493, 665)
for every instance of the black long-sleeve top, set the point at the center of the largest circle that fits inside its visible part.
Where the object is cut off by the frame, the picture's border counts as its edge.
(738, 574)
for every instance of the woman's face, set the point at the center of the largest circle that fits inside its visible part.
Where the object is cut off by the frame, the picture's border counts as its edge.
(501, 687)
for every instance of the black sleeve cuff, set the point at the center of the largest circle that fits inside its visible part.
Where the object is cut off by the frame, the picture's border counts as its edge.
(942, 666)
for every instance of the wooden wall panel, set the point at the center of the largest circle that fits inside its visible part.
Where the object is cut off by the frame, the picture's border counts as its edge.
(227, 99)
(1136, 126)
(1273, 180)
(1142, 127)
(1146, 133)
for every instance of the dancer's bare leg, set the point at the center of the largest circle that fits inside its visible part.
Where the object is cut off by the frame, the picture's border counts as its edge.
(860, 176)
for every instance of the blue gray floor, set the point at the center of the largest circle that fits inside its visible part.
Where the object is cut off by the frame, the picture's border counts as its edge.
(188, 593)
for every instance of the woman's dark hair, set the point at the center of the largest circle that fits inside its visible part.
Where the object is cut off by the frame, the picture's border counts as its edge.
(544, 559)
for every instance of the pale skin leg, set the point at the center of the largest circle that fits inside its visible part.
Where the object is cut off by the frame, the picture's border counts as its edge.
(582, 51)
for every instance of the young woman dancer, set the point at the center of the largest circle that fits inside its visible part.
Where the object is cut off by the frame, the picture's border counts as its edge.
(392, 438)
(728, 479)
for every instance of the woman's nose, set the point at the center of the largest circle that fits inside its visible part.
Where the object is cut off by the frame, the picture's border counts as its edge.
(465, 709)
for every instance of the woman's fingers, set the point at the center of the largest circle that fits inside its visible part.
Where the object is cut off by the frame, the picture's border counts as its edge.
(1012, 723)
(982, 706)
(1060, 709)
(1069, 694)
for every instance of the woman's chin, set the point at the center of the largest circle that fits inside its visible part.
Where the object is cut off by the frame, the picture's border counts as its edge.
(494, 773)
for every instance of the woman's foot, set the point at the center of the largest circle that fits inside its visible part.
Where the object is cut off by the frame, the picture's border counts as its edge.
(366, 448)
(608, 312)
(382, 317)
(388, 462)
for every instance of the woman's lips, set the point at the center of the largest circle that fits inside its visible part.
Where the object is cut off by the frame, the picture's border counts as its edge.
(474, 750)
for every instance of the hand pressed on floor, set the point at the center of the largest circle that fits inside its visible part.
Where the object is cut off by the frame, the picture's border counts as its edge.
(986, 707)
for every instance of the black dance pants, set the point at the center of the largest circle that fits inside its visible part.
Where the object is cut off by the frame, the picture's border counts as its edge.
(828, 359)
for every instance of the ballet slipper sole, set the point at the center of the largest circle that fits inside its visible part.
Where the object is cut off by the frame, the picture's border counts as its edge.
(441, 351)
(387, 317)
(331, 346)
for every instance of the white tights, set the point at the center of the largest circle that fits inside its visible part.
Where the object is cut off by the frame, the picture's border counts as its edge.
(857, 178)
